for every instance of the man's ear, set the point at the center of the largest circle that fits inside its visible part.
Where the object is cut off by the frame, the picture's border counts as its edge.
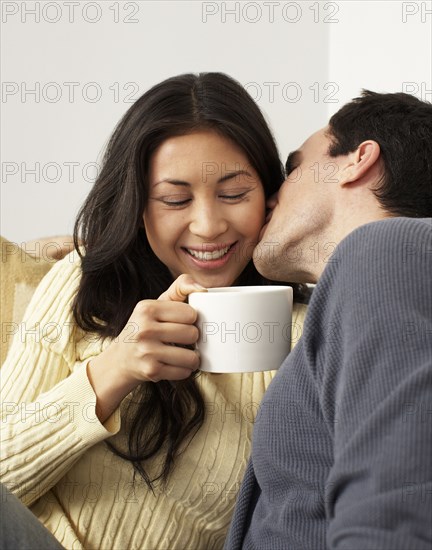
(360, 161)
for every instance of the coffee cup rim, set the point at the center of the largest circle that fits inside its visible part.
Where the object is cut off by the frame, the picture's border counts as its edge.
(246, 289)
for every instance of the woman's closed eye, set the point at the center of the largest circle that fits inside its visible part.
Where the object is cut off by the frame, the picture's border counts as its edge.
(177, 201)
(233, 197)
(174, 200)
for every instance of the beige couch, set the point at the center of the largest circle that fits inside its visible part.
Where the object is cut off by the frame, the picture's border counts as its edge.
(19, 276)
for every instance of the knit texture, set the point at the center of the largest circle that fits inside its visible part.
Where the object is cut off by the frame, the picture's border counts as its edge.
(341, 455)
(54, 456)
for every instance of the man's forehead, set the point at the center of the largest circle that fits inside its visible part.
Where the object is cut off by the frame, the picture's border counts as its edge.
(319, 136)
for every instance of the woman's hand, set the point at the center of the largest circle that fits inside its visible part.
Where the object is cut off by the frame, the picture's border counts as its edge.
(148, 348)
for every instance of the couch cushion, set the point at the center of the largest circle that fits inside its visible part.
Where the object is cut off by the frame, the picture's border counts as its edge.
(20, 274)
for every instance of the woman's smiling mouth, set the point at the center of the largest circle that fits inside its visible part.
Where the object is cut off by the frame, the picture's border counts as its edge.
(210, 253)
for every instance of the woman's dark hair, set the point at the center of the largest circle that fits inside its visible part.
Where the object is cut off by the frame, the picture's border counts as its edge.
(402, 126)
(119, 267)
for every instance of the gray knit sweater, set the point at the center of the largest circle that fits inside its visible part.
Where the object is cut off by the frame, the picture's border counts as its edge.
(342, 452)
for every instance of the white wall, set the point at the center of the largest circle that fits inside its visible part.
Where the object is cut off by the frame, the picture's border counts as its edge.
(295, 58)
(385, 46)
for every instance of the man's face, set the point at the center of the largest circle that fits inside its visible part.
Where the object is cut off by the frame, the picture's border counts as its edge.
(296, 238)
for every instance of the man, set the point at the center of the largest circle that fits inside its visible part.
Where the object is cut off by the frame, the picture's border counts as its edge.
(341, 453)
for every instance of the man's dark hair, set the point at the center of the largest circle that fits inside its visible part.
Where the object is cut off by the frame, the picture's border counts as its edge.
(402, 126)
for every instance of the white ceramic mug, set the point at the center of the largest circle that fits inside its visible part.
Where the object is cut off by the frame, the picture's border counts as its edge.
(243, 329)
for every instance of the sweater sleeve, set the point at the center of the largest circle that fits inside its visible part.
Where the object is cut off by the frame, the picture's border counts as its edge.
(48, 415)
(378, 356)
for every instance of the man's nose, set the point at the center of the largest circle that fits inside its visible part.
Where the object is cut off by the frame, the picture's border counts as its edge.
(271, 202)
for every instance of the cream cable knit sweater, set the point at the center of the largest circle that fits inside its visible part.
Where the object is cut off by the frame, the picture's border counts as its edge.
(53, 454)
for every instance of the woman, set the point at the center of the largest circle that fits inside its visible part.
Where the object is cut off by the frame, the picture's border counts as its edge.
(121, 444)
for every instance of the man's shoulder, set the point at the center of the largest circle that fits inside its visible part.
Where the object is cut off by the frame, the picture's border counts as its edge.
(394, 241)
(390, 230)
(379, 259)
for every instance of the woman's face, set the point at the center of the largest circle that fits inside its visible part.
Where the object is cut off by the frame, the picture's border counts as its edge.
(206, 207)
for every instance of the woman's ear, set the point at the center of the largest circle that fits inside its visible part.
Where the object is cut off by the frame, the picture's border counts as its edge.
(360, 162)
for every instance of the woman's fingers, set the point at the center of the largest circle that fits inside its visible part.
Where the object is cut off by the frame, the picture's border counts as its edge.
(173, 333)
(179, 357)
(159, 329)
(149, 311)
(178, 334)
(181, 288)
(169, 363)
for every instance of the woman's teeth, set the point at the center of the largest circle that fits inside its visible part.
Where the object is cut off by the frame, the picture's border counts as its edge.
(206, 256)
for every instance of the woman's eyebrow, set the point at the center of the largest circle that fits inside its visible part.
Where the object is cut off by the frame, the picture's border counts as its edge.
(173, 181)
(225, 177)
(234, 174)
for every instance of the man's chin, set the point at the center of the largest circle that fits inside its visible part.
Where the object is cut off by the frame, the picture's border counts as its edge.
(277, 263)
(265, 260)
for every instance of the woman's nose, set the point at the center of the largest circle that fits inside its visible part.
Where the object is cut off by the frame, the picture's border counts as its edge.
(208, 222)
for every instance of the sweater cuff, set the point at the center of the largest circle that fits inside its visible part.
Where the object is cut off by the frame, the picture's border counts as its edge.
(78, 392)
